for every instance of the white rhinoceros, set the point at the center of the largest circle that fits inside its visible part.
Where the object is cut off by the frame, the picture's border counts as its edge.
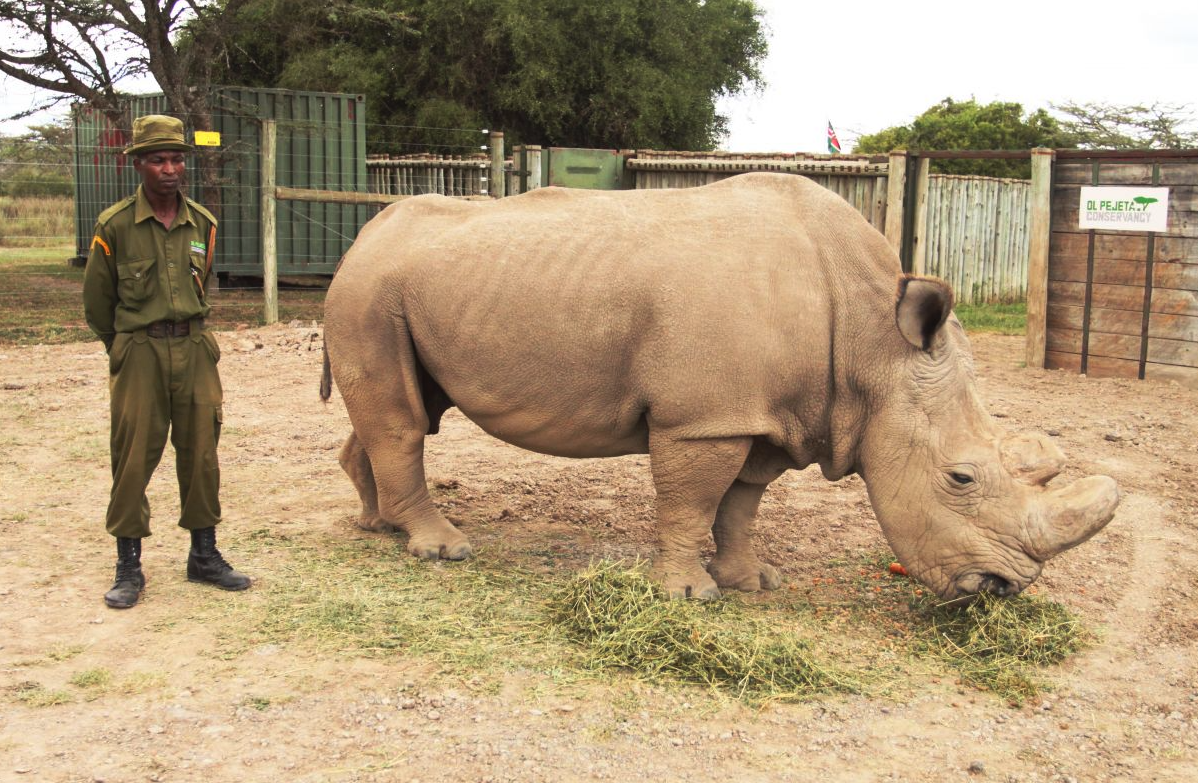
(732, 332)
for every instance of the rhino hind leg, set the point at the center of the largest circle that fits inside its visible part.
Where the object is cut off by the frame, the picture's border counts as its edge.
(735, 565)
(390, 423)
(691, 478)
(356, 464)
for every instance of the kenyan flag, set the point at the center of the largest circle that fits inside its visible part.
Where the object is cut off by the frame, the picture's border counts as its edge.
(833, 142)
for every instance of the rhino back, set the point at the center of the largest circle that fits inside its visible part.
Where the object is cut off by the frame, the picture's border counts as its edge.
(566, 321)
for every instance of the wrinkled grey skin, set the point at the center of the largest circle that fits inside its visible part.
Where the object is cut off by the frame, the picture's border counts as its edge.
(732, 332)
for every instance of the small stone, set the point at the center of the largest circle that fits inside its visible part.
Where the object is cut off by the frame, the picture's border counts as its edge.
(1113, 437)
(156, 730)
(97, 621)
(433, 715)
(23, 770)
(977, 768)
(1053, 433)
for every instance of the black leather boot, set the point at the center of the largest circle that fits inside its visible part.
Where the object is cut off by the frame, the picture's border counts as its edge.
(205, 564)
(129, 579)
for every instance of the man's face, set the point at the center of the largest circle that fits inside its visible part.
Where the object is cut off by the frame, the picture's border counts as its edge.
(161, 172)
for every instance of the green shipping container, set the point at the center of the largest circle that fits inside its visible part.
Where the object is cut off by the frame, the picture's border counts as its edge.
(321, 145)
(571, 167)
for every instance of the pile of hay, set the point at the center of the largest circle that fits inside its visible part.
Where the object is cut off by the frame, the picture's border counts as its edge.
(997, 643)
(624, 621)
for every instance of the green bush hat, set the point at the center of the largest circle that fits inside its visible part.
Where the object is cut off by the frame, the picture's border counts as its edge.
(155, 132)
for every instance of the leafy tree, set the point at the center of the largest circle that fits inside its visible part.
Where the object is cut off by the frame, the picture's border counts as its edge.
(619, 73)
(1119, 127)
(82, 49)
(968, 125)
(37, 163)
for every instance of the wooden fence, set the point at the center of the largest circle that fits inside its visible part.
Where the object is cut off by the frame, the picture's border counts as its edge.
(975, 235)
(414, 175)
(1120, 303)
(861, 180)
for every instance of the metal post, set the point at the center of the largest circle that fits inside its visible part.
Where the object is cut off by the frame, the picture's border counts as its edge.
(270, 248)
(497, 183)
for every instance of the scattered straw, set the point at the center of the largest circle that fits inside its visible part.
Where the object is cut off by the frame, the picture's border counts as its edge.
(625, 621)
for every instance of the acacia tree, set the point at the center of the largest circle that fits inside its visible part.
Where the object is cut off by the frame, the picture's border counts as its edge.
(618, 73)
(968, 125)
(1123, 127)
(82, 49)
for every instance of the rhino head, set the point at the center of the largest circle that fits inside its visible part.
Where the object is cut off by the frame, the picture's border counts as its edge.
(965, 507)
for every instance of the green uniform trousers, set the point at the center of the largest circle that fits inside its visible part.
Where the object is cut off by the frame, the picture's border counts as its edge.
(158, 384)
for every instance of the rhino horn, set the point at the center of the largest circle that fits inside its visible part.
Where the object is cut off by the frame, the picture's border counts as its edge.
(1032, 459)
(1074, 514)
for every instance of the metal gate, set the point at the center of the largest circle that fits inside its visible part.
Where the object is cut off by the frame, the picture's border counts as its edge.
(1123, 301)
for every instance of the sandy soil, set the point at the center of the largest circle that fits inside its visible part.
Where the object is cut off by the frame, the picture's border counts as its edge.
(1127, 709)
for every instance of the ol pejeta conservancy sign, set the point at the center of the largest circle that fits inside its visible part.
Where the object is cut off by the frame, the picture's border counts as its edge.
(1124, 208)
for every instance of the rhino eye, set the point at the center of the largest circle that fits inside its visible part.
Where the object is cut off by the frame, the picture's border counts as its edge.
(961, 479)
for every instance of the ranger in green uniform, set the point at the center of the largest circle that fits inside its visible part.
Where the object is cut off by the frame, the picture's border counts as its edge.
(143, 295)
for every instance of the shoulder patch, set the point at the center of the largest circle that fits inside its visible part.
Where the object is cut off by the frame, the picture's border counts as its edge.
(200, 208)
(116, 208)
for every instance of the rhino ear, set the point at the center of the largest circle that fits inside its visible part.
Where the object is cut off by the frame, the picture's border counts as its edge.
(923, 305)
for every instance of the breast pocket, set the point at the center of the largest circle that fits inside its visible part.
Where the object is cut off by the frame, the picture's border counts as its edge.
(135, 281)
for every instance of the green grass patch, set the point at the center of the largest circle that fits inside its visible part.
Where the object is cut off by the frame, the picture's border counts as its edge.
(64, 652)
(92, 678)
(1010, 318)
(624, 621)
(34, 694)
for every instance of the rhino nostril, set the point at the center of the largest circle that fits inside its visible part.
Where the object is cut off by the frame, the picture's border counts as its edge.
(993, 583)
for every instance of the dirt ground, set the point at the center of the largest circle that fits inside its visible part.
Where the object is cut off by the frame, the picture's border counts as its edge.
(1125, 709)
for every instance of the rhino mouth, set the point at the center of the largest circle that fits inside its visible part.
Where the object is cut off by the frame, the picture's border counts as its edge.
(995, 584)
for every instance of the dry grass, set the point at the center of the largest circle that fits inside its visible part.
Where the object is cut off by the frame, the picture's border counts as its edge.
(33, 221)
(625, 622)
(998, 644)
(1001, 645)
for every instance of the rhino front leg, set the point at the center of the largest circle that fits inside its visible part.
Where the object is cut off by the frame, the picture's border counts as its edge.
(735, 564)
(691, 477)
(356, 464)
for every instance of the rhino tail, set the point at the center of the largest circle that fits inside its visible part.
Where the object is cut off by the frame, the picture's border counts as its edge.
(326, 373)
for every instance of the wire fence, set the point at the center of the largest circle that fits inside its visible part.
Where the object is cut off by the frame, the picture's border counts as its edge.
(51, 194)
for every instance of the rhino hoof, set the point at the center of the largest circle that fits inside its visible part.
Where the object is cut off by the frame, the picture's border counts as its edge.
(751, 578)
(699, 586)
(455, 551)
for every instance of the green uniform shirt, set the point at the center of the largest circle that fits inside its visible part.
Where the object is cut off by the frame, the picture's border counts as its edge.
(138, 272)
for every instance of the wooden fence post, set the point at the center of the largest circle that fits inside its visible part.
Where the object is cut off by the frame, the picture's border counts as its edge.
(919, 241)
(533, 153)
(896, 188)
(497, 185)
(270, 247)
(1039, 237)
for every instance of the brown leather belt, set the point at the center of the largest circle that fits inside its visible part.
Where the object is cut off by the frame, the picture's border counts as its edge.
(174, 328)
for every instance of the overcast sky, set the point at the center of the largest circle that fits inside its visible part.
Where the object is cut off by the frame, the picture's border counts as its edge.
(866, 65)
